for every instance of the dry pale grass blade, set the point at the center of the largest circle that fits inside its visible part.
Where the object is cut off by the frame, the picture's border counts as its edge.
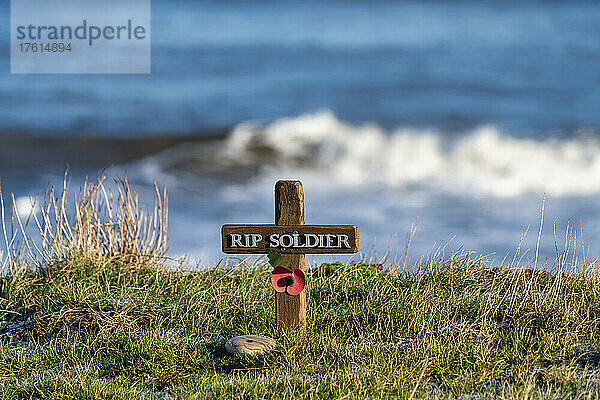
(5, 261)
(101, 223)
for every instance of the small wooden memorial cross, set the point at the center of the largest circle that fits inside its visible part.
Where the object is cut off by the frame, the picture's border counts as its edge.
(291, 238)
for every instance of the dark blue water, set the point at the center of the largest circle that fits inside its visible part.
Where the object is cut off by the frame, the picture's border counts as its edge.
(453, 65)
(477, 108)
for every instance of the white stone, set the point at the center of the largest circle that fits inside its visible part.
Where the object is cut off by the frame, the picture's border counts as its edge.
(250, 344)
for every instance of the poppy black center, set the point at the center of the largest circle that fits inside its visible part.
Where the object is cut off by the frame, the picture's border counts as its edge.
(289, 280)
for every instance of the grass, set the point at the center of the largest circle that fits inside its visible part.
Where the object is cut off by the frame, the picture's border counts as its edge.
(103, 323)
(113, 329)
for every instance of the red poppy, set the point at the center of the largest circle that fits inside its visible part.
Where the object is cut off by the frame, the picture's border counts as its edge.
(286, 280)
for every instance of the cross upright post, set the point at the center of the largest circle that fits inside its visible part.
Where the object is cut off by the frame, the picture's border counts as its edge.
(289, 210)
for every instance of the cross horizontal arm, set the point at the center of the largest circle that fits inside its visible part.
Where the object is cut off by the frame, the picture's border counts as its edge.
(289, 239)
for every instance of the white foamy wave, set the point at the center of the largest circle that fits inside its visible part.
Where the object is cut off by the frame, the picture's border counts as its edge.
(485, 161)
(26, 206)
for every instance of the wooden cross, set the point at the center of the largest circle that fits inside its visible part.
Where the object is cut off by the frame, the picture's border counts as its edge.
(291, 238)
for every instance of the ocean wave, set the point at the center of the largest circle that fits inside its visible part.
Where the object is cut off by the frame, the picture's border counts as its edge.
(485, 161)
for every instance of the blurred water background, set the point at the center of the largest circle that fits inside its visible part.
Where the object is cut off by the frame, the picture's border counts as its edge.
(456, 116)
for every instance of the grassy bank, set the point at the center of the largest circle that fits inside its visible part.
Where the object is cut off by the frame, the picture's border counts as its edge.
(114, 329)
(88, 310)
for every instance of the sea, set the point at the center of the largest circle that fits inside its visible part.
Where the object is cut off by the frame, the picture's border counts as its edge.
(446, 126)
